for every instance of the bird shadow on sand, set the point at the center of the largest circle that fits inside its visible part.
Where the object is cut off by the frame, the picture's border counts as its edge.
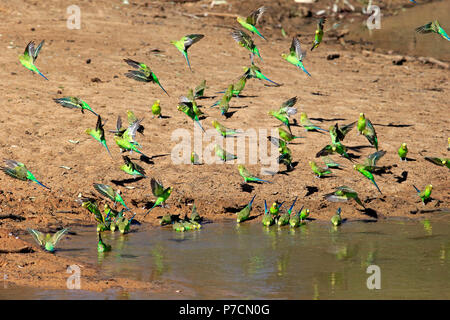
(239, 107)
(229, 114)
(324, 119)
(288, 170)
(311, 190)
(123, 182)
(164, 117)
(206, 97)
(273, 85)
(369, 212)
(247, 188)
(394, 125)
(401, 178)
(357, 148)
(410, 159)
(382, 170)
(148, 160)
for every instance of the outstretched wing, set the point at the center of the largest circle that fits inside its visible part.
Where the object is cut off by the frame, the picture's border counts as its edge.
(254, 17)
(321, 22)
(295, 48)
(325, 151)
(15, 169)
(105, 190)
(138, 76)
(346, 129)
(427, 28)
(157, 187)
(132, 129)
(372, 159)
(190, 39)
(58, 235)
(277, 142)
(134, 64)
(38, 236)
(69, 102)
(242, 38)
(36, 51)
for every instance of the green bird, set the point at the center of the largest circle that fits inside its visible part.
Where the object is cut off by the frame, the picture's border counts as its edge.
(223, 154)
(199, 90)
(195, 158)
(268, 218)
(361, 123)
(250, 22)
(281, 117)
(238, 87)
(403, 151)
(343, 194)
(255, 72)
(337, 147)
(178, 227)
(225, 132)
(439, 161)
(224, 103)
(370, 134)
(248, 177)
(109, 192)
(280, 143)
(126, 140)
(156, 109)
(132, 168)
(133, 120)
(286, 136)
(246, 42)
(30, 55)
(370, 163)
(110, 212)
(307, 124)
(160, 193)
(433, 27)
(244, 214)
(275, 209)
(191, 98)
(285, 217)
(285, 157)
(320, 172)
(425, 194)
(337, 219)
(91, 205)
(166, 219)
(195, 216)
(362, 169)
(101, 246)
(296, 55)
(294, 220)
(99, 133)
(330, 163)
(187, 109)
(47, 241)
(304, 213)
(143, 74)
(185, 43)
(74, 103)
(338, 134)
(319, 33)
(286, 110)
(19, 171)
(123, 224)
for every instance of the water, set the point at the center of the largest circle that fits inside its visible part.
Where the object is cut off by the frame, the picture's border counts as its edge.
(397, 32)
(316, 261)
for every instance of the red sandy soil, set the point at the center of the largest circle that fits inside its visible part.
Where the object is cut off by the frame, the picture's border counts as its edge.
(407, 103)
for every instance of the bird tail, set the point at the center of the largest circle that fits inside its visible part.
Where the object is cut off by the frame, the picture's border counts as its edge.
(42, 75)
(373, 181)
(251, 202)
(39, 183)
(304, 70)
(149, 210)
(107, 149)
(200, 125)
(92, 112)
(267, 79)
(265, 207)
(187, 60)
(261, 180)
(293, 204)
(159, 84)
(418, 191)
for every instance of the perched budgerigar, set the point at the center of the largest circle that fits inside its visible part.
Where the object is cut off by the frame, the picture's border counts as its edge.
(248, 177)
(195, 158)
(362, 169)
(142, 74)
(425, 194)
(337, 219)
(160, 193)
(19, 171)
(195, 216)
(47, 241)
(296, 55)
(439, 161)
(250, 22)
(156, 109)
(307, 124)
(275, 208)
(403, 151)
(246, 42)
(320, 172)
(74, 103)
(185, 43)
(244, 214)
(433, 27)
(361, 123)
(337, 147)
(123, 223)
(268, 218)
(101, 246)
(99, 133)
(342, 194)
(223, 154)
(284, 218)
(319, 33)
(132, 168)
(224, 102)
(225, 132)
(295, 220)
(110, 193)
(30, 55)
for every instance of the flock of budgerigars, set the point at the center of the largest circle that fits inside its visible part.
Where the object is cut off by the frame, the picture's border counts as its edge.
(111, 219)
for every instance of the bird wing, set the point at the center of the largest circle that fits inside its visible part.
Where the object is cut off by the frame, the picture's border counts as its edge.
(29, 49)
(157, 187)
(190, 39)
(434, 160)
(427, 28)
(58, 235)
(254, 17)
(199, 88)
(15, 169)
(325, 151)
(132, 63)
(288, 104)
(36, 51)
(369, 132)
(277, 142)
(243, 38)
(296, 49)
(346, 189)
(68, 102)
(38, 236)
(138, 76)
(131, 117)
(105, 190)
(372, 159)
(132, 129)
(321, 23)
(347, 128)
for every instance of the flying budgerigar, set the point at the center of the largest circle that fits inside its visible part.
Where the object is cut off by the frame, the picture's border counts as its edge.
(287, 109)
(238, 87)
(343, 194)
(224, 102)
(185, 43)
(90, 204)
(248, 177)
(330, 163)
(47, 241)
(132, 168)
(225, 132)
(199, 90)
(255, 72)
(425, 194)
(246, 42)
(223, 154)
(133, 120)
(320, 172)
(19, 171)
(362, 169)
(160, 193)
(319, 33)
(296, 55)
(99, 133)
(244, 214)
(287, 136)
(403, 151)
(338, 133)
(370, 163)
(365, 127)
(433, 27)
(74, 103)
(126, 139)
(337, 147)
(30, 55)
(110, 193)
(307, 124)
(143, 74)
(250, 22)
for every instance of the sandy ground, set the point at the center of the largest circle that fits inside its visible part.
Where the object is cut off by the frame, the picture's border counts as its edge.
(407, 103)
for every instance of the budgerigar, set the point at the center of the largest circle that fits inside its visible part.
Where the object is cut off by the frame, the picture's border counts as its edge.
(439, 161)
(370, 134)
(19, 171)
(320, 172)
(250, 22)
(307, 124)
(248, 177)
(30, 55)
(74, 103)
(338, 134)
(287, 136)
(330, 163)
(199, 90)
(425, 194)
(99, 133)
(433, 27)
(47, 241)
(142, 74)
(268, 218)
(132, 168)
(185, 43)
(337, 147)
(238, 87)
(295, 220)
(225, 132)
(110, 193)
(160, 193)
(275, 208)
(244, 214)
(223, 154)
(186, 107)
(194, 158)
(337, 219)
(342, 194)
(195, 216)
(255, 72)
(361, 123)
(361, 169)
(319, 33)
(156, 109)
(370, 163)
(246, 42)
(224, 103)
(91, 205)
(296, 55)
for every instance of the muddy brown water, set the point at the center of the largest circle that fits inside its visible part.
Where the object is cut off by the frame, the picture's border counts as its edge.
(225, 261)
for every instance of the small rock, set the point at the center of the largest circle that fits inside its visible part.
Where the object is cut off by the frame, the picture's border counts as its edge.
(332, 56)
(88, 61)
